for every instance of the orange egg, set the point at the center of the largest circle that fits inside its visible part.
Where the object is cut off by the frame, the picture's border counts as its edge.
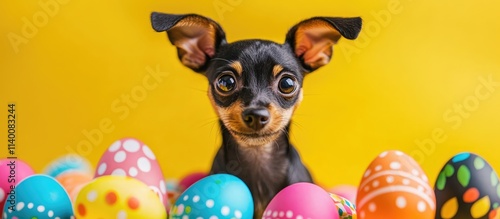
(395, 186)
(73, 182)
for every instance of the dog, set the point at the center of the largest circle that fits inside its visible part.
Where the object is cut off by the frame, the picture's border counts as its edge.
(254, 88)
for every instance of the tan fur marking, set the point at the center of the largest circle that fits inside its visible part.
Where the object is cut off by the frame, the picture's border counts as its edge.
(314, 40)
(299, 100)
(277, 69)
(236, 65)
(281, 117)
(195, 38)
(231, 117)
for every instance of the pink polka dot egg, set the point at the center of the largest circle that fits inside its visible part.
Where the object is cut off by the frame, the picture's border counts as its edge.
(38, 196)
(218, 196)
(301, 201)
(395, 186)
(118, 197)
(131, 157)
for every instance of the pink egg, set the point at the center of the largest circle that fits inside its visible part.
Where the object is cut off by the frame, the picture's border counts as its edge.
(12, 171)
(302, 200)
(347, 191)
(131, 157)
(190, 179)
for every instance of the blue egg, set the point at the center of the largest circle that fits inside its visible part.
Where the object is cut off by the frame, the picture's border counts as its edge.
(39, 196)
(68, 163)
(221, 196)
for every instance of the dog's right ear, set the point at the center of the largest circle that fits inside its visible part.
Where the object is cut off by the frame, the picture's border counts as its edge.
(197, 38)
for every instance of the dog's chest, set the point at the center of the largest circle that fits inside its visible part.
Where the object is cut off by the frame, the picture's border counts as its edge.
(265, 172)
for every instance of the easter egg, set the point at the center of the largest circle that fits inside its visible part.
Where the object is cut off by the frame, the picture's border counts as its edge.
(68, 163)
(12, 171)
(346, 209)
(73, 182)
(131, 157)
(172, 190)
(190, 179)
(394, 186)
(467, 187)
(494, 214)
(301, 200)
(118, 197)
(41, 197)
(221, 196)
(347, 191)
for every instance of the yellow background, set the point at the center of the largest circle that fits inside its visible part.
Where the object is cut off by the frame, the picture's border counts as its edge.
(388, 89)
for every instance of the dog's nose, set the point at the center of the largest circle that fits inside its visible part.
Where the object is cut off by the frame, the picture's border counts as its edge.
(256, 118)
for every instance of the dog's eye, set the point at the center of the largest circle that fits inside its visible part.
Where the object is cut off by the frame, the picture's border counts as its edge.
(286, 85)
(226, 83)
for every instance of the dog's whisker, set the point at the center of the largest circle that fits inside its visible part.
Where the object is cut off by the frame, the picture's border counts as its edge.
(208, 122)
(298, 125)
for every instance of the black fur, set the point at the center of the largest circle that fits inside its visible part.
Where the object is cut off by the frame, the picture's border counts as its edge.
(266, 170)
(258, 71)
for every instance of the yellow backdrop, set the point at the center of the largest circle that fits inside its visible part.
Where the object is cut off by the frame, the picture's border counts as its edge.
(423, 77)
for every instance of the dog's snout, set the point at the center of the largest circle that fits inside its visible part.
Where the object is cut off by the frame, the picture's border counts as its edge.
(256, 118)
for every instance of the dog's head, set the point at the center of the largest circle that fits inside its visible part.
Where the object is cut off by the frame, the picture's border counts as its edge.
(255, 85)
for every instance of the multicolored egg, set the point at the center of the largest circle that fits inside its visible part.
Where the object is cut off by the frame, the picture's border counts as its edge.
(220, 196)
(12, 171)
(301, 200)
(41, 197)
(73, 182)
(345, 207)
(131, 157)
(394, 186)
(68, 163)
(467, 187)
(118, 197)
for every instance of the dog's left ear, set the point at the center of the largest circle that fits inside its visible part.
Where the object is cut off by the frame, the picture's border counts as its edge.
(312, 40)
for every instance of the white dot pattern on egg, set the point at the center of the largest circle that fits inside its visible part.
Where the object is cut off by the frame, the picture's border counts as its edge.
(301, 200)
(131, 157)
(51, 200)
(220, 196)
(395, 183)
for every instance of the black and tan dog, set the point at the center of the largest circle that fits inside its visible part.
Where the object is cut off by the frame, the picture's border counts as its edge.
(254, 87)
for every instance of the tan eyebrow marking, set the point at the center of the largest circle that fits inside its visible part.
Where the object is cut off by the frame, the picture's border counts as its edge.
(236, 65)
(277, 69)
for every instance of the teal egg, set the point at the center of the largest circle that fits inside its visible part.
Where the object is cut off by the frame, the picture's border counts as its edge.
(221, 196)
(41, 197)
(68, 163)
